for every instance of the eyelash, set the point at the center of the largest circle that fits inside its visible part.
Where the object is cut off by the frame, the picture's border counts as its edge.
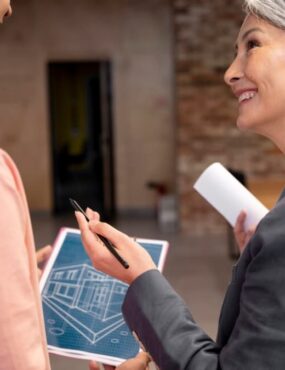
(251, 44)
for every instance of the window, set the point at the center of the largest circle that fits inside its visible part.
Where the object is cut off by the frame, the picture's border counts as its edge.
(120, 289)
(59, 275)
(71, 275)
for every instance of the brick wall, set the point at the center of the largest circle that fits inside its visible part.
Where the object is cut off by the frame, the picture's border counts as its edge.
(205, 33)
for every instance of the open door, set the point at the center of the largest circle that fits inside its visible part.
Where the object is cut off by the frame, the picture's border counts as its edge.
(81, 134)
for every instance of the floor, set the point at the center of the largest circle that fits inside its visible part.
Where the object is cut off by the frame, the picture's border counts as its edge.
(198, 267)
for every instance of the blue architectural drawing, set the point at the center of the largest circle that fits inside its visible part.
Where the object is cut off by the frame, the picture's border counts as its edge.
(82, 306)
(81, 289)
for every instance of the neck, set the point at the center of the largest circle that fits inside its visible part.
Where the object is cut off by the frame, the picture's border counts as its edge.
(275, 133)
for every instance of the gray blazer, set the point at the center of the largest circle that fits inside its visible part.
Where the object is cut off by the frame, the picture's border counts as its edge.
(251, 333)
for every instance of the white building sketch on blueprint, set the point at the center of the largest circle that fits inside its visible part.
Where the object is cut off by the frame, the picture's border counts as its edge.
(86, 299)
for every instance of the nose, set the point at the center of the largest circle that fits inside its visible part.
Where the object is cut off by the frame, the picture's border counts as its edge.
(234, 72)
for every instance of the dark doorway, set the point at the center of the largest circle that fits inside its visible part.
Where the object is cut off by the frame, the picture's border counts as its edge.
(81, 134)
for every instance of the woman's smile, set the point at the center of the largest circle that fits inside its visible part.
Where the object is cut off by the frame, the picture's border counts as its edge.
(245, 95)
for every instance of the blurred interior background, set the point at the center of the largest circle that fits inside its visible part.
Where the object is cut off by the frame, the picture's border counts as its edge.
(121, 105)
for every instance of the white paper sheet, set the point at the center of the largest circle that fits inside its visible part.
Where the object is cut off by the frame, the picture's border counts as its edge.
(225, 193)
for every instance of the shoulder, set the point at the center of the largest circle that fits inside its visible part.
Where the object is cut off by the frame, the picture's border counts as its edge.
(9, 174)
(269, 237)
(6, 161)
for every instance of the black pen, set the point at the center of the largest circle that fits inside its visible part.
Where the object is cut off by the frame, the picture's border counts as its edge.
(105, 241)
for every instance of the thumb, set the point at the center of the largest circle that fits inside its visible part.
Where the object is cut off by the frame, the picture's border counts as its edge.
(93, 365)
(43, 254)
(140, 362)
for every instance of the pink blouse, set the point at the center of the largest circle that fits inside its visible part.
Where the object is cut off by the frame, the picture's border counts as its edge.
(22, 334)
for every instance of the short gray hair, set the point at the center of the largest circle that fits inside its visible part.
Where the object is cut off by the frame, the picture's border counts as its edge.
(272, 11)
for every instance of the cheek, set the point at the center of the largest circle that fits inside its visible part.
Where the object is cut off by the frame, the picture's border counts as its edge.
(272, 87)
(272, 70)
(269, 79)
(255, 72)
(269, 106)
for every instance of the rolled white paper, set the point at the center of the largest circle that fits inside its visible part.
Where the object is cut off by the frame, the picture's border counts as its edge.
(225, 193)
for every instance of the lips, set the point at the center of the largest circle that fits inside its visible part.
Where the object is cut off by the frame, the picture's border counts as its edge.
(245, 94)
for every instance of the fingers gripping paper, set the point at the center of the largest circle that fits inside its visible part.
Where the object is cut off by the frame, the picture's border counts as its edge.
(225, 193)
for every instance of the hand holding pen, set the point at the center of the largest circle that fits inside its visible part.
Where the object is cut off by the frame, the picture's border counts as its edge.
(138, 258)
(105, 241)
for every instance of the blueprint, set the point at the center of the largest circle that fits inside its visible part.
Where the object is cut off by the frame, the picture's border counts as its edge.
(82, 306)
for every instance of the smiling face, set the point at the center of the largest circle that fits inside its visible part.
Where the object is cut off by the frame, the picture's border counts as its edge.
(257, 78)
(5, 9)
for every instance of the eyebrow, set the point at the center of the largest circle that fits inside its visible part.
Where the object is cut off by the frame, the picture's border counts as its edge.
(244, 36)
(255, 29)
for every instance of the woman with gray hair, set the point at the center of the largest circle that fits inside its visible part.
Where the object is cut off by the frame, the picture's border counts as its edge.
(251, 333)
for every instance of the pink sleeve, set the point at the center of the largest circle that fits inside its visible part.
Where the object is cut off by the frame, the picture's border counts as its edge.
(22, 336)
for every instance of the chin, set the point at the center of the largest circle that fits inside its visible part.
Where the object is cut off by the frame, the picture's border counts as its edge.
(248, 123)
(242, 124)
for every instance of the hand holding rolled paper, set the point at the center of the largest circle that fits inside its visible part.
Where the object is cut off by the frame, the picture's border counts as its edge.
(225, 193)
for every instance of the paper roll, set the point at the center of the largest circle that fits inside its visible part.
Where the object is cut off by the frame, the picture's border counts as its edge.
(225, 193)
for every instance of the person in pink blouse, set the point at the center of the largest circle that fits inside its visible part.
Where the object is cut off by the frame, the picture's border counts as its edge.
(23, 343)
(22, 333)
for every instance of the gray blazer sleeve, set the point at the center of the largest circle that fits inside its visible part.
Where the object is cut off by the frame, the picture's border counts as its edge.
(165, 327)
(256, 338)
